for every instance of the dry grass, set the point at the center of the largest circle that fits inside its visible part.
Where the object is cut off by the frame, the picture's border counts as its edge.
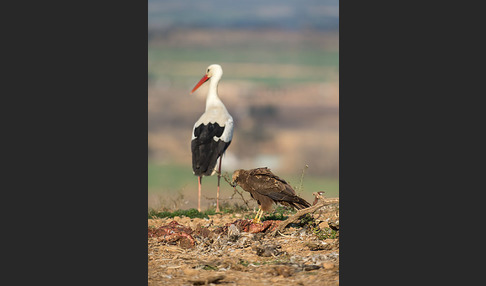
(298, 255)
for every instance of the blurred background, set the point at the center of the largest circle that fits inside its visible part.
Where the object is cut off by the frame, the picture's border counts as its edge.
(280, 83)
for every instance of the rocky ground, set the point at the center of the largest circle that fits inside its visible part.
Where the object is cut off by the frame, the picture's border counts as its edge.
(229, 249)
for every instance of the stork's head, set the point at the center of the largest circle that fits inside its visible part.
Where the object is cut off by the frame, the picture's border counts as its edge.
(213, 71)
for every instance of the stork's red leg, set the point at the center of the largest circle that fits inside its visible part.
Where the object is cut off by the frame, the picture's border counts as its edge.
(199, 193)
(219, 178)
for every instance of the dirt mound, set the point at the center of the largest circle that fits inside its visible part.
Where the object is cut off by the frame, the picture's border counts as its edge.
(231, 251)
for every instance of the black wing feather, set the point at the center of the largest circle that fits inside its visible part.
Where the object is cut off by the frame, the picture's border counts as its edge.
(205, 150)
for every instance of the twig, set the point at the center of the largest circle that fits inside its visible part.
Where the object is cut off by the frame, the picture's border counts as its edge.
(322, 202)
(284, 235)
(302, 179)
(230, 198)
(225, 177)
(236, 191)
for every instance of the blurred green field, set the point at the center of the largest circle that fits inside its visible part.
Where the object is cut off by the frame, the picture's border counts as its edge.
(310, 65)
(311, 57)
(169, 178)
(169, 181)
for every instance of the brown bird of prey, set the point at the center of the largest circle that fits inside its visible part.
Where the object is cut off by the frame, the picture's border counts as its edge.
(266, 188)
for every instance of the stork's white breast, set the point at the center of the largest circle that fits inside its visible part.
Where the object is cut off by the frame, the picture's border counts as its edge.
(217, 115)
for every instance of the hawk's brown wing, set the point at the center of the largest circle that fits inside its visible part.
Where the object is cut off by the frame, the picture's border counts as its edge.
(263, 182)
(265, 175)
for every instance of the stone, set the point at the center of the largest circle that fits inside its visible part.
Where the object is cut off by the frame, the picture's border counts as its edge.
(328, 265)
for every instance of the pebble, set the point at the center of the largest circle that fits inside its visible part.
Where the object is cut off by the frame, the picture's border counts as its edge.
(190, 271)
(328, 265)
(323, 225)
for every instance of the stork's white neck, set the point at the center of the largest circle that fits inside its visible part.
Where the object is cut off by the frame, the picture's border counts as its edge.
(212, 99)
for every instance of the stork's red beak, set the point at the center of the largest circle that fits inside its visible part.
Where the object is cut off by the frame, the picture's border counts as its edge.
(203, 80)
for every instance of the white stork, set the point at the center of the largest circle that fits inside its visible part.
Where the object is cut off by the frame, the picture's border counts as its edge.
(212, 133)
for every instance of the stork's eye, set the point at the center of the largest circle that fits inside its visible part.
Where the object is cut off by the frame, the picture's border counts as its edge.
(208, 70)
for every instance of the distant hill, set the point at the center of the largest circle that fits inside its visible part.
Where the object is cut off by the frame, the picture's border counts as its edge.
(251, 14)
